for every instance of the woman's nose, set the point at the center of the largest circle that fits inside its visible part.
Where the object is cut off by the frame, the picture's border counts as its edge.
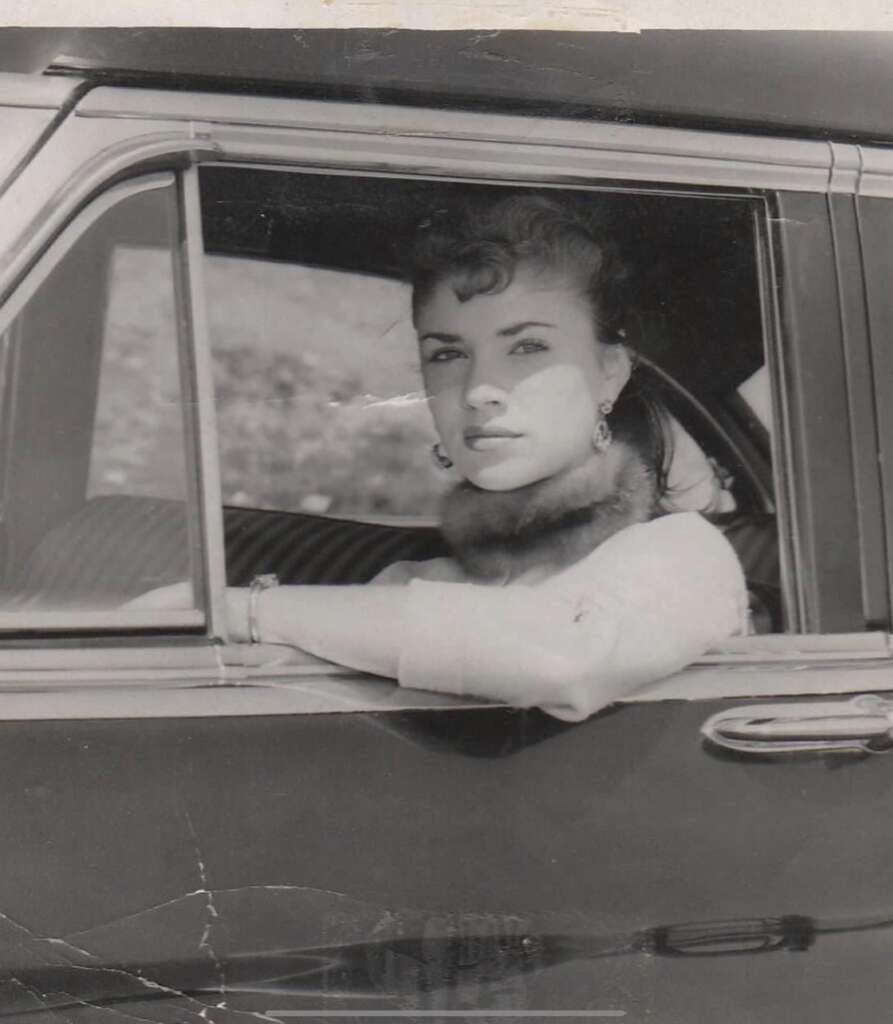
(481, 395)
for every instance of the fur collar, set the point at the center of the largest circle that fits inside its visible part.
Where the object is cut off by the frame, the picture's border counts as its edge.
(549, 525)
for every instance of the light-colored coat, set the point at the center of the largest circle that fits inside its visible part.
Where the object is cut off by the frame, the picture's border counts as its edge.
(645, 603)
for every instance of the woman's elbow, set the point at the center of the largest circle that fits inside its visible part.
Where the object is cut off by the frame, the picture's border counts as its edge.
(573, 685)
(567, 685)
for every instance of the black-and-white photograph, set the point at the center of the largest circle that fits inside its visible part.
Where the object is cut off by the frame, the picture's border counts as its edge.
(445, 521)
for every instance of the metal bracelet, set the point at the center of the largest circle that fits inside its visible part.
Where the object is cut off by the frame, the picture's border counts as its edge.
(258, 584)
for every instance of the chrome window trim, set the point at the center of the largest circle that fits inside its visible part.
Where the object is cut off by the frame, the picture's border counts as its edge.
(36, 91)
(207, 537)
(37, 620)
(846, 167)
(117, 130)
(20, 131)
(565, 161)
(210, 698)
(792, 675)
(64, 656)
(805, 165)
(767, 648)
(786, 499)
(145, 682)
(391, 123)
(875, 172)
(10, 350)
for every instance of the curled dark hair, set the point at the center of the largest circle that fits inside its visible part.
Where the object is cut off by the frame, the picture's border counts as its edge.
(477, 248)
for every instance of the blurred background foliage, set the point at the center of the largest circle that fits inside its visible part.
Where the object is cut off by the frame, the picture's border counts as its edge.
(298, 435)
(319, 400)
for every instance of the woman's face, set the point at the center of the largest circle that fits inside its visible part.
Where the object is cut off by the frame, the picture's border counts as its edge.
(515, 378)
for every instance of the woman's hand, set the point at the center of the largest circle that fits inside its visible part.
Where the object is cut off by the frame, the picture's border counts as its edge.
(237, 625)
(357, 626)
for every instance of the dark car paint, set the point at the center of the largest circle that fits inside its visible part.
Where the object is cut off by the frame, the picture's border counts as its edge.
(554, 863)
(797, 83)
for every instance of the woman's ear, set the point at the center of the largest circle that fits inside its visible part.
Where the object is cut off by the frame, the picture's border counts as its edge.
(617, 365)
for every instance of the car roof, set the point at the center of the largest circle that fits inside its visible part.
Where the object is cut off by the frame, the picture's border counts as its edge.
(816, 84)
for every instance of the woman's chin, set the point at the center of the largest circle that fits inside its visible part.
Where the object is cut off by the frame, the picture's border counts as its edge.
(504, 477)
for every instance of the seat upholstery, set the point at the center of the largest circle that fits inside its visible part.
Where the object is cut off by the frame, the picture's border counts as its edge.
(302, 548)
(755, 539)
(118, 546)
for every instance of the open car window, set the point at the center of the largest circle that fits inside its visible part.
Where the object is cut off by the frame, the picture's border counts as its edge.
(96, 493)
(324, 428)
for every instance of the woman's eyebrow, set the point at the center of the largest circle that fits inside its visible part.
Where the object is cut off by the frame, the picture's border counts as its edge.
(442, 336)
(509, 332)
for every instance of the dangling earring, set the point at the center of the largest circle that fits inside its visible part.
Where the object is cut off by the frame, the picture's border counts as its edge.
(601, 434)
(441, 459)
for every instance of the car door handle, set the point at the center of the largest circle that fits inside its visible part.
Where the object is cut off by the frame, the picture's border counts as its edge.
(862, 724)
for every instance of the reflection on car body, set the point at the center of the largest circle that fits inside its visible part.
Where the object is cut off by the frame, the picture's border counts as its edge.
(207, 372)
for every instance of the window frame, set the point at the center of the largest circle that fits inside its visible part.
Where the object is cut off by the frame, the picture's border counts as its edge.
(124, 131)
(812, 598)
(55, 626)
(768, 256)
(823, 381)
(874, 222)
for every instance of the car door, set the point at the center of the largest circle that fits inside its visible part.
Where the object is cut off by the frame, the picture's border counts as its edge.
(198, 829)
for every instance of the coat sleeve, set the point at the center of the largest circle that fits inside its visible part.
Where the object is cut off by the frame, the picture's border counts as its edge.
(643, 605)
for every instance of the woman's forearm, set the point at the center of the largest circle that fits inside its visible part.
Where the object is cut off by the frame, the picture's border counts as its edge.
(642, 606)
(358, 626)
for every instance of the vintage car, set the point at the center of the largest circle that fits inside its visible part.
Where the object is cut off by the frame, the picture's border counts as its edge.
(207, 372)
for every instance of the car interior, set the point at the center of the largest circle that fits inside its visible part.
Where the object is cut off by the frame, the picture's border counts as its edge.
(696, 320)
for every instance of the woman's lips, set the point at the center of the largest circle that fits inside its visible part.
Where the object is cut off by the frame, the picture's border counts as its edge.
(485, 439)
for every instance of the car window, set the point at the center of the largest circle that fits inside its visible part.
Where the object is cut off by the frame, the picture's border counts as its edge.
(320, 404)
(137, 445)
(95, 485)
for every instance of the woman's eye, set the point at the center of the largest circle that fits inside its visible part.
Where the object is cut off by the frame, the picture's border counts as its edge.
(445, 355)
(527, 345)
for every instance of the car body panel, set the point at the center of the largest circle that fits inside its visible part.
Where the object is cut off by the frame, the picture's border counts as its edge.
(823, 85)
(222, 837)
(21, 129)
(875, 221)
(30, 109)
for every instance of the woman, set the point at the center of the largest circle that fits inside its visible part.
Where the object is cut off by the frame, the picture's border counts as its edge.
(569, 586)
